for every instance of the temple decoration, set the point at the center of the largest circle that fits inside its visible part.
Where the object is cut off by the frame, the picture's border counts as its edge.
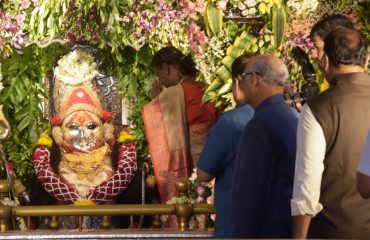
(84, 133)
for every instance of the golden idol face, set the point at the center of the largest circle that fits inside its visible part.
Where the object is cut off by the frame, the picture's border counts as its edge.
(83, 130)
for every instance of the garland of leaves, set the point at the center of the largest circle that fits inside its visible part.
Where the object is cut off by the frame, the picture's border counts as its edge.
(23, 93)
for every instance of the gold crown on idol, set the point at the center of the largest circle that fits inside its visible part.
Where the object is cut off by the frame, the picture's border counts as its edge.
(75, 88)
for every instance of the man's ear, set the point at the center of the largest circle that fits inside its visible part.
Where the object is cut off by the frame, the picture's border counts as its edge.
(236, 84)
(324, 62)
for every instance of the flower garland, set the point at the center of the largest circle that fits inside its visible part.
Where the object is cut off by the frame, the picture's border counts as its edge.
(44, 140)
(125, 137)
(104, 192)
(76, 68)
(84, 203)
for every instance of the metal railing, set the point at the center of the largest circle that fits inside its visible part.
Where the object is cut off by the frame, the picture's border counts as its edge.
(183, 211)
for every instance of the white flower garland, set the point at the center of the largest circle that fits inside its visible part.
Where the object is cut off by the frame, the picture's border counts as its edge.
(76, 68)
(301, 6)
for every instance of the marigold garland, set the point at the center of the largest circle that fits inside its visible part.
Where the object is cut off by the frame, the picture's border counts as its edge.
(125, 137)
(84, 203)
(44, 140)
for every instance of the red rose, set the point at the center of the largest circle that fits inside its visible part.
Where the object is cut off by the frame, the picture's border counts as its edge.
(107, 116)
(56, 121)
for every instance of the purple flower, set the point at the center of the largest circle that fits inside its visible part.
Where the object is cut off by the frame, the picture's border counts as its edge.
(94, 39)
(12, 28)
(20, 41)
(200, 191)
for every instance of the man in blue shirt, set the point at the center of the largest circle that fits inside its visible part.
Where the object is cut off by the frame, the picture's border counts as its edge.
(219, 152)
(264, 167)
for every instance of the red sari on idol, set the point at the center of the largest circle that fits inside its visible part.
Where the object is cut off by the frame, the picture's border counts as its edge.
(176, 124)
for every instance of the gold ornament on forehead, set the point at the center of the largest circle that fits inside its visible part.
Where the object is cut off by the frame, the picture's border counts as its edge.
(77, 70)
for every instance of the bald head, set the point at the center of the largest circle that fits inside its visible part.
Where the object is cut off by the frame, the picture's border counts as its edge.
(346, 46)
(271, 69)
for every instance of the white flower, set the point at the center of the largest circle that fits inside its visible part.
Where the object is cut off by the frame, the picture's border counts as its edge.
(252, 11)
(193, 175)
(245, 12)
(75, 68)
(250, 3)
(222, 5)
(300, 6)
(241, 6)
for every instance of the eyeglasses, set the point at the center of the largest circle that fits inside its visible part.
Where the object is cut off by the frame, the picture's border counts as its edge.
(244, 74)
(248, 73)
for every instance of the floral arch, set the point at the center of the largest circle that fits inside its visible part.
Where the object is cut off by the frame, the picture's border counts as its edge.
(35, 34)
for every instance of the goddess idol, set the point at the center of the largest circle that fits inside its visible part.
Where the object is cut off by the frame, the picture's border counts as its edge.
(84, 133)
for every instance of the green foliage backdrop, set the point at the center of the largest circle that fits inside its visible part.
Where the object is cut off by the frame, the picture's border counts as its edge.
(35, 34)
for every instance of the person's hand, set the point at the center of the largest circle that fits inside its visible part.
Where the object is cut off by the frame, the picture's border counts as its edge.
(298, 106)
(156, 88)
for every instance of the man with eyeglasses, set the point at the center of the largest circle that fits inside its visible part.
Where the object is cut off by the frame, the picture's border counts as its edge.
(264, 167)
(218, 155)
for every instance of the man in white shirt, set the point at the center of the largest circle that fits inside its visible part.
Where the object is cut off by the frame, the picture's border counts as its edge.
(363, 171)
(330, 130)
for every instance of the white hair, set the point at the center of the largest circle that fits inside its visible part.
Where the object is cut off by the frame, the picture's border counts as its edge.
(274, 72)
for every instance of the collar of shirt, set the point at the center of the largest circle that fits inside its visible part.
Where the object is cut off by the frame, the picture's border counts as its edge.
(272, 100)
(355, 76)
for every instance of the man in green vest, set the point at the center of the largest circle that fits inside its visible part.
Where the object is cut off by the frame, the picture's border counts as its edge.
(331, 133)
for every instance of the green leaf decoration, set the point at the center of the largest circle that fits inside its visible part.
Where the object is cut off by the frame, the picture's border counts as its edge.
(213, 19)
(225, 88)
(129, 2)
(223, 73)
(24, 123)
(208, 96)
(278, 25)
(216, 83)
(244, 43)
(228, 61)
